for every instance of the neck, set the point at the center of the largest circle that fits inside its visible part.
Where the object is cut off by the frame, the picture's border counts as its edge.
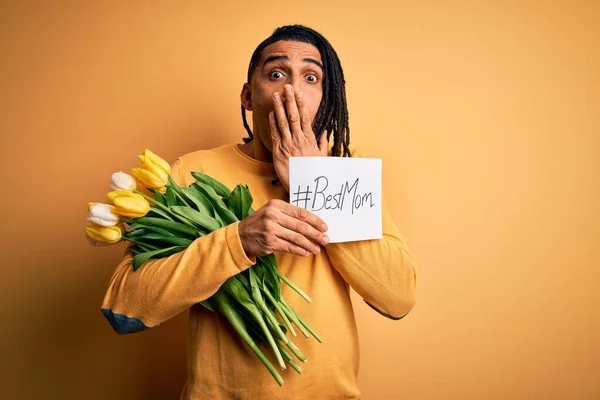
(257, 150)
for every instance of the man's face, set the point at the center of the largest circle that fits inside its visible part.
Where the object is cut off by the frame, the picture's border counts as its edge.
(285, 62)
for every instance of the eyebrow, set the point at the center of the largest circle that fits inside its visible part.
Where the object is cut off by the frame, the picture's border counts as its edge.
(286, 58)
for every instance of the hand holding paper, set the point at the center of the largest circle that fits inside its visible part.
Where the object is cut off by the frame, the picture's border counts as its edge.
(344, 192)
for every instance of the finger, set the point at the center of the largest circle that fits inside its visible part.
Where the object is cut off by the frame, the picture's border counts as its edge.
(281, 118)
(298, 213)
(323, 143)
(275, 134)
(292, 112)
(291, 240)
(304, 229)
(305, 124)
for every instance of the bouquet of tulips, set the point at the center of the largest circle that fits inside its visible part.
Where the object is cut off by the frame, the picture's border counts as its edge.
(168, 218)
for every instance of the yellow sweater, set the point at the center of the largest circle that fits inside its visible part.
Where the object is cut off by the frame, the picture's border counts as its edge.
(219, 364)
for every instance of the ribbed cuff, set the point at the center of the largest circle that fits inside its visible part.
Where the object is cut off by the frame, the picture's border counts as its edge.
(234, 243)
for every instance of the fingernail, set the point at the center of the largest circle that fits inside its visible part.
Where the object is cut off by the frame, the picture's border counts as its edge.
(276, 96)
(325, 239)
(317, 250)
(324, 227)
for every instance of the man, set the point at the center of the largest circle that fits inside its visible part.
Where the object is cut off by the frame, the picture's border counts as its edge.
(295, 90)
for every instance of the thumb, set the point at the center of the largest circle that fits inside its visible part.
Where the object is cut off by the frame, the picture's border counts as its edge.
(323, 143)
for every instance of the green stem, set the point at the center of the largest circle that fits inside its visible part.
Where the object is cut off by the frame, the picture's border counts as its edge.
(311, 330)
(284, 317)
(286, 356)
(165, 208)
(236, 321)
(181, 198)
(292, 316)
(138, 242)
(293, 286)
(296, 351)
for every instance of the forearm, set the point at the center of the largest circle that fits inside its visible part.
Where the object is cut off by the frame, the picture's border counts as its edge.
(162, 288)
(381, 271)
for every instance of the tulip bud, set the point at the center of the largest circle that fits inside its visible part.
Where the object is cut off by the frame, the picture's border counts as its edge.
(148, 179)
(132, 207)
(154, 168)
(122, 181)
(103, 234)
(111, 195)
(158, 161)
(103, 215)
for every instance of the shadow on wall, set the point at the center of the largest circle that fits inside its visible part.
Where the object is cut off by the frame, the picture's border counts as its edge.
(66, 327)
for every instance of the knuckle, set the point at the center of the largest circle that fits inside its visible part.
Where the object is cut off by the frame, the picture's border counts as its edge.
(269, 214)
(294, 117)
(267, 225)
(273, 205)
(318, 236)
(302, 214)
(270, 241)
(305, 119)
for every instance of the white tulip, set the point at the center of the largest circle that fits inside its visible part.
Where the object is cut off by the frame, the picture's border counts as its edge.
(122, 181)
(103, 215)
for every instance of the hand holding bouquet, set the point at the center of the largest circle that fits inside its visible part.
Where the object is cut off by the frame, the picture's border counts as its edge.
(170, 219)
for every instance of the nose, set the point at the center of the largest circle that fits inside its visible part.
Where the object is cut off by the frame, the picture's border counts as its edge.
(296, 81)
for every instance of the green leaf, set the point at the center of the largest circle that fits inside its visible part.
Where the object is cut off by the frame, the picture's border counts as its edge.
(141, 258)
(244, 281)
(270, 277)
(160, 223)
(197, 217)
(160, 212)
(178, 192)
(210, 194)
(143, 247)
(226, 216)
(202, 204)
(136, 232)
(135, 249)
(208, 303)
(148, 227)
(159, 197)
(170, 239)
(171, 198)
(217, 186)
(240, 201)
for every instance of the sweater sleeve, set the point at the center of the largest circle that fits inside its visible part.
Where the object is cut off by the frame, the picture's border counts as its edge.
(162, 288)
(381, 271)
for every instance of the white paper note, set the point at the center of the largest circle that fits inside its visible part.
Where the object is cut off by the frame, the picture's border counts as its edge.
(344, 192)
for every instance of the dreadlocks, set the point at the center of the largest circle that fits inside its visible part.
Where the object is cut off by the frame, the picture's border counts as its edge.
(333, 110)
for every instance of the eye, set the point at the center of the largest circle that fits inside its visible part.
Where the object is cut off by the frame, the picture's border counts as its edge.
(275, 75)
(312, 78)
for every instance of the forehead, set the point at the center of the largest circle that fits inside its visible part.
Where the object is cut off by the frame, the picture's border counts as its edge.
(292, 49)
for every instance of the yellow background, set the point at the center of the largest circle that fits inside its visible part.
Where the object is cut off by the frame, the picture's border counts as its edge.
(486, 116)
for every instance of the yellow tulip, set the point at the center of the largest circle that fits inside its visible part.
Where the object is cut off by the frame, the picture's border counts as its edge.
(148, 178)
(103, 234)
(128, 204)
(111, 195)
(154, 168)
(158, 161)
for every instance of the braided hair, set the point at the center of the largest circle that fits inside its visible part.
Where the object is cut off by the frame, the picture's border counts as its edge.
(333, 110)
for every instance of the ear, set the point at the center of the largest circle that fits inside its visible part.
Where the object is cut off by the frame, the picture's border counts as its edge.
(246, 96)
